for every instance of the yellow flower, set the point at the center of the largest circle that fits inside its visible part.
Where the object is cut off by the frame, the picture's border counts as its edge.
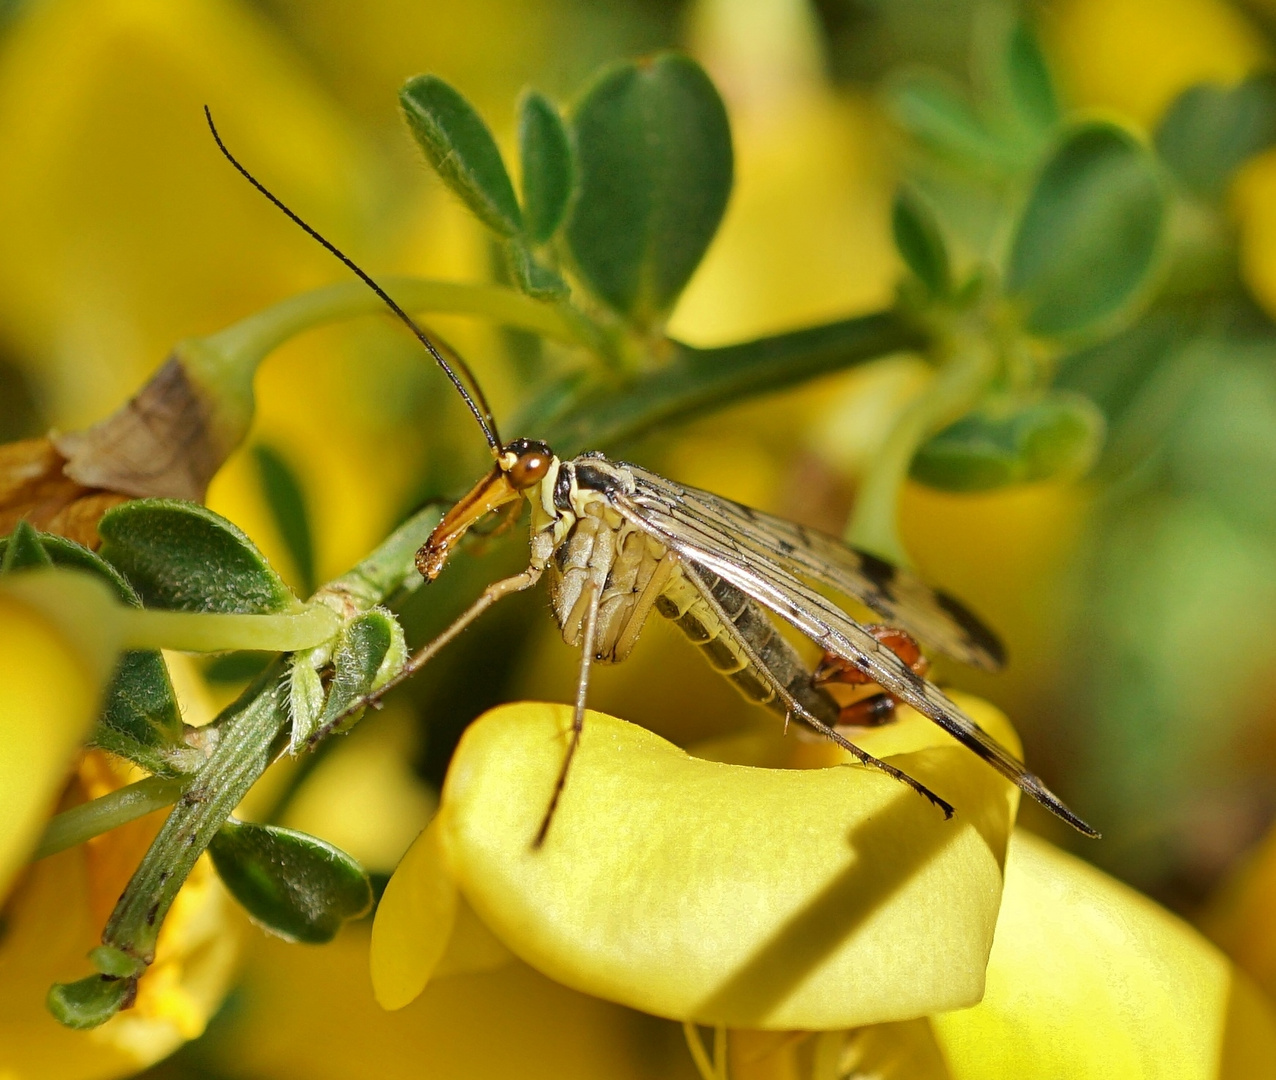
(54, 670)
(58, 648)
(55, 916)
(1087, 979)
(696, 890)
(1138, 55)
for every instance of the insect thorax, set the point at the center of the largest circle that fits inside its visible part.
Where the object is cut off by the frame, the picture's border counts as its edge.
(581, 538)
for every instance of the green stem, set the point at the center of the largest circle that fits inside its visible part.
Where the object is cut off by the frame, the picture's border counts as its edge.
(251, 339)
(243, 751)
(699, 380)
(189, 631)
(390, 567)
(700, 1056)
(874, 525)
(117, 808)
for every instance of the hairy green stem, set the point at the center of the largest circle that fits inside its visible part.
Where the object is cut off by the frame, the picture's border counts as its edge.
(243, 750)
(389, 568)
(874, 524)
(110, 811)
(698, 380)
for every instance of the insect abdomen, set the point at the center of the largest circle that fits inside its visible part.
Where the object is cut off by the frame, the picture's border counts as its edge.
(681, 602)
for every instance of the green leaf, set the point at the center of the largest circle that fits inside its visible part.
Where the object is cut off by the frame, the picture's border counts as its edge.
(371, 650)
(140, 718)
(287, 502)
(1087, 241)
(546, 155)
(1028, 79)
(653, 153)
(933, 111)
(87, 1003)
(920, 242)
(181, 556)
(73, 556)
(461, 148)
(305, 701)
(296, 885)
(1210, 131)
(532, 277)
(1056, 437)
(23, 550)
(116, 962)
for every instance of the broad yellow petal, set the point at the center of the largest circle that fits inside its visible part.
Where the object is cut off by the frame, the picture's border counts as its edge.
(819, 898)
(53, 670)
(414, 921)
(1088, 979)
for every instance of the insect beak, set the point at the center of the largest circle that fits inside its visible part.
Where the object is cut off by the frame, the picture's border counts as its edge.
(490, 493)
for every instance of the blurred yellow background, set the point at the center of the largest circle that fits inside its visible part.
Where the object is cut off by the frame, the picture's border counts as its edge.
(122, 232)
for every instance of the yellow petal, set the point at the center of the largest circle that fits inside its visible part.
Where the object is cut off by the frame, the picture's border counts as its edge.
(53, 671)
(1137, 55)
(309, 1014)
(414, 921)
(1088, 979)
(819, 898)
(55, 915)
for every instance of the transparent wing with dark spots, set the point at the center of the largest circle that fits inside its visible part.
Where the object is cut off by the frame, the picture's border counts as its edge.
(708, 543)
(926, 613)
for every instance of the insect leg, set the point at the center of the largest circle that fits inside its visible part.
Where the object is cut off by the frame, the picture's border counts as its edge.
(879, 708)
(795, 707)
(498, 590)
(588, 646)
(873, 711)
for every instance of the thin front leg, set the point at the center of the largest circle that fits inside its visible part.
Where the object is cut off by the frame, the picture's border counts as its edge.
(588, 646)
(498, 590)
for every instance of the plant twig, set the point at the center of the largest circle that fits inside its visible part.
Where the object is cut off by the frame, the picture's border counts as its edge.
(696, 381)
(110, 811)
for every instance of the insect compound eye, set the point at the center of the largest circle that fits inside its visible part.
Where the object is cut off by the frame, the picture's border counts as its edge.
(530, 468)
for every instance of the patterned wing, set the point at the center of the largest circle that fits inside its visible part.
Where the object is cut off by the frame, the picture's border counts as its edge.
(716, 543)
(926, 613)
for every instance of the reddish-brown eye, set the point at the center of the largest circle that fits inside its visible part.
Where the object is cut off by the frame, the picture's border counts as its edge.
(529, 469)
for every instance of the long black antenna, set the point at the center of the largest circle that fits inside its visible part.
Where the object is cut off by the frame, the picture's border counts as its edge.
(482, 411)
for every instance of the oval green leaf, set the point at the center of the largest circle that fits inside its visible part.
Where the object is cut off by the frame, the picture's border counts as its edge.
(287, 502)
(180, 556)
(933, 111)
(545, 153)
(920, 243)
(653, 153)
(1028, 81)
(88, 1003)
(1087, 242)
(459, 145)
(296, 885)
(371, 649)
(1059, 436)
(1209, 131)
